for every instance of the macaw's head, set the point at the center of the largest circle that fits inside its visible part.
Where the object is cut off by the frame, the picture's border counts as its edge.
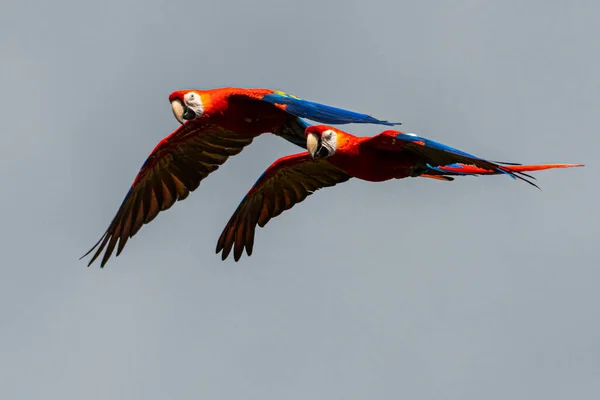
(186, 105)
(321, 141)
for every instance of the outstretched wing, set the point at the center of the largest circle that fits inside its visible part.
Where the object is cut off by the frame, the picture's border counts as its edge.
(320, 112)
(286, 182)
(174, 169)
(433, 154)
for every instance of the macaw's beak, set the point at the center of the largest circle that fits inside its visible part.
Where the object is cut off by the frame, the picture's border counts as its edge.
(188, 113)
(181, 111)
(178, 110)
(313, 143)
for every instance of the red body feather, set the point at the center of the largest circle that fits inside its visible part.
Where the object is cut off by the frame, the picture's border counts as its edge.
(235, 110)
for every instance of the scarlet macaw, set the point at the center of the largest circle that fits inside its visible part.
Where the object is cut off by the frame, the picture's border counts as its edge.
(335, 156)
(220, 123)
(257, 111)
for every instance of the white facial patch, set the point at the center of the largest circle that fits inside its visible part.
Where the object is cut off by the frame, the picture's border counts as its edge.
(329, 141)
(194, 102)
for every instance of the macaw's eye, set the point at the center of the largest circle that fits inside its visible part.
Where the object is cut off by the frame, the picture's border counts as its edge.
(328, 135)
(190, 98)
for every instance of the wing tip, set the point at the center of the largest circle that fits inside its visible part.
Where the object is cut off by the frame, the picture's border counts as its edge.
(372, 120)
(103, 237)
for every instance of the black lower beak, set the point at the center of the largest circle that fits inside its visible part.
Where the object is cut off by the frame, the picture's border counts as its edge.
(188, 113)
(322, 152)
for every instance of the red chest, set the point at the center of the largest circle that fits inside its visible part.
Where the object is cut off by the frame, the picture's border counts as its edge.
(372, 165)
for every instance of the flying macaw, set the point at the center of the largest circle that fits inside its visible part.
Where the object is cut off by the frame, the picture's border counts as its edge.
(220, 123)
(335, 156)
(257, 111)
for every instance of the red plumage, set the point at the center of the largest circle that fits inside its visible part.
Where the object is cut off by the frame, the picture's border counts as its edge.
(219, 124)
(389, 155)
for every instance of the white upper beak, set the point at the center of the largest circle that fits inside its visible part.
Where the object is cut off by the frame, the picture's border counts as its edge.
(177, 107)
(312, 142)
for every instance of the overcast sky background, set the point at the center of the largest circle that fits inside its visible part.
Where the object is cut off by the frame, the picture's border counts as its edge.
(418, 289)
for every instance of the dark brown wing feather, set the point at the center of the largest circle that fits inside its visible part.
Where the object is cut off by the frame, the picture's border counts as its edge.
(175, 168)
(286, 182)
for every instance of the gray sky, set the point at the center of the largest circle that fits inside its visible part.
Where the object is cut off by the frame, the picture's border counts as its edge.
(481, 288)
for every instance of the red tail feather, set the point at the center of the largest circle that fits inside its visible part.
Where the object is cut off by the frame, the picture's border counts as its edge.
(470, 169)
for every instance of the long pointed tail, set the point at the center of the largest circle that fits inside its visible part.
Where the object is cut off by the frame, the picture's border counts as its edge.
(461, 169)
(447, 172)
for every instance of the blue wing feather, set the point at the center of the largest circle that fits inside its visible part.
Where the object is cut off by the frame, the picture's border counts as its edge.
(321, 112)
(411, 137)
(437, 169)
